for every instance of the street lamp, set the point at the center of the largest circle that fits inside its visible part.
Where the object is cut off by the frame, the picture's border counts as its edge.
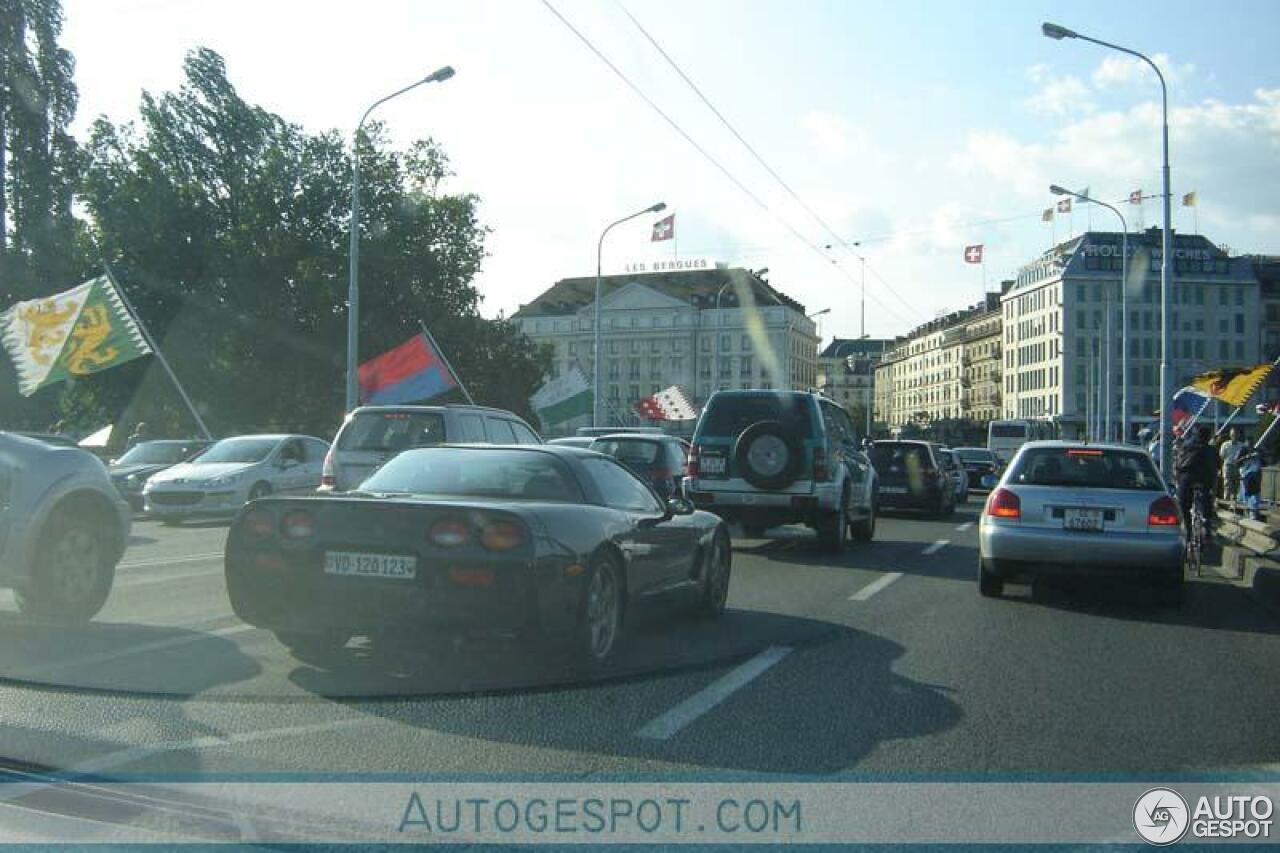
(1054, 31)
(353, 259)
(595, 347)
(1124, 315)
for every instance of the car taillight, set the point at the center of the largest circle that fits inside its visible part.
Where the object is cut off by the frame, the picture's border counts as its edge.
(260, 522)
(691, 465)
(1163, 512)
(502, 536)
(328, 472)
(1003, 503)
(450, 532)
(821, 472)
(298, 524)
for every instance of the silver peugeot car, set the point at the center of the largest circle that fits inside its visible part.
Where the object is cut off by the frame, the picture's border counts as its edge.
(1069, 508)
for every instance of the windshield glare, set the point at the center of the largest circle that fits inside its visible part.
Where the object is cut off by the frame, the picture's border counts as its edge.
(492, 474)
(157, 453)
(237, 450)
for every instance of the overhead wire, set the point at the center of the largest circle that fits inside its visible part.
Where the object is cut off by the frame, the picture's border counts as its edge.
(708, 156)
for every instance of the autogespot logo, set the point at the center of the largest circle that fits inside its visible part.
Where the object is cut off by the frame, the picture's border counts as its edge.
(1161, 816)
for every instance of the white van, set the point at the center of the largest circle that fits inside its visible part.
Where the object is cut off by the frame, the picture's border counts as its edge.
(371, 435)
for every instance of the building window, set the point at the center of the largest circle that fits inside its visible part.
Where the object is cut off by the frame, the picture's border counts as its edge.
(655, 345)
(613, 393)
(613, 347)
(635, 392)
(635, 368)
(677, 345)
(613, 368)
(746, 343)
(1222, 296)
(724, 343)
(1199, 290)
(706, 344)
(1239, 295)
(1239, 324)
(635, 346)
(573, 348)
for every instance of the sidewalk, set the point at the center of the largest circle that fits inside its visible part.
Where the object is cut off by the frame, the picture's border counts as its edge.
(1248, 556)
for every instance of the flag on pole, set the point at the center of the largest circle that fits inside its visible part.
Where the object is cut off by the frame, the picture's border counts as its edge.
(1064, 206)
(664, 229)
(75, 333)
(1232, 385)
(565, 397)
(1189, 200)
(973, 254)
(410, 373)
(1187, 403)
(1135, 197)
(669, 404)
(1047, 216)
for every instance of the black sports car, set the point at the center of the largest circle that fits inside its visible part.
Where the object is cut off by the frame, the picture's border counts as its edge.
(546, 540)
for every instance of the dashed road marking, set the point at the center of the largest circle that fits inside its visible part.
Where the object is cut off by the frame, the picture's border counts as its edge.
(671, 722)
(936, 547)
(875, 586)
(963, 527)
(154, 579)
(164, 561)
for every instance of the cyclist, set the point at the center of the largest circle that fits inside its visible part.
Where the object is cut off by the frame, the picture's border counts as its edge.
(1195, 466)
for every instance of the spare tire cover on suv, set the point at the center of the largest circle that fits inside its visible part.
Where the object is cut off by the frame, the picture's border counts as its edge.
(767, 456)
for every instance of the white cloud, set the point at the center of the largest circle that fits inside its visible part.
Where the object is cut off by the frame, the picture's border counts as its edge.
(1128, 71)
(828, 132)
(1061, 96)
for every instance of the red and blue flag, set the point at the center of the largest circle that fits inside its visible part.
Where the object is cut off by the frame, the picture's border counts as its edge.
(1187, 403)
(412, 372)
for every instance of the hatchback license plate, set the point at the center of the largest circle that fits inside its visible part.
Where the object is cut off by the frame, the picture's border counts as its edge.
(370, 565)
(1086, 520)
(713, 464)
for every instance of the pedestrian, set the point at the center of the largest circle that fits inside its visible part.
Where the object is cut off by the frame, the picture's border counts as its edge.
(138, 435)
(1251, 463)
(1229, 454)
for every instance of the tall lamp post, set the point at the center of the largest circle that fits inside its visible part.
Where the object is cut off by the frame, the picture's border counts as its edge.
(595, 347)
(1124, 312)
(1057, 32)
(353, 258)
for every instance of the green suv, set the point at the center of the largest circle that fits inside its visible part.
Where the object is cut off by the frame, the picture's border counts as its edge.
(765, 458)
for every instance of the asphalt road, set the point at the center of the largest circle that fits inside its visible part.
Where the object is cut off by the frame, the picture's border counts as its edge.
(883, 661)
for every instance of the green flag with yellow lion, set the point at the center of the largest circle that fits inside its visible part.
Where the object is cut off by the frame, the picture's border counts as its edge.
(72, 334)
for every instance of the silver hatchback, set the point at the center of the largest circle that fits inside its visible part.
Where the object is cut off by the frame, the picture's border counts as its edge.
(1066, 508)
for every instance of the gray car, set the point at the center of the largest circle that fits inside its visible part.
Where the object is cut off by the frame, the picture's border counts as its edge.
(63, 529)
(1094, 510)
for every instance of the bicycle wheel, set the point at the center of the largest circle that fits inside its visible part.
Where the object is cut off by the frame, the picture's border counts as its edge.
(1195, 541)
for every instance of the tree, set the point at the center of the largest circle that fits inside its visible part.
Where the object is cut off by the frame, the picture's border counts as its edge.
(227, 227)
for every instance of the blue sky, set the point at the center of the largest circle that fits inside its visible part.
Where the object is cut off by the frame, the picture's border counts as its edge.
(903, 122)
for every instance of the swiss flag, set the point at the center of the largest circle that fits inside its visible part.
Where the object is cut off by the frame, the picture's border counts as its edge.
(664, 229)
(973, 254)
(1064, 206)
(1135, 197)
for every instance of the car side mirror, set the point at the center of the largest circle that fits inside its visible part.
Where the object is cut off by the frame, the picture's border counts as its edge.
(678, 506)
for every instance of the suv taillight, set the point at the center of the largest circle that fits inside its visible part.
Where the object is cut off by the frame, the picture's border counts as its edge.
(691, 466)
(1163, 512)
(1004, 504)
(821, 473)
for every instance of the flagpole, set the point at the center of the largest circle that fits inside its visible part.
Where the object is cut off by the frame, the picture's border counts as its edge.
(440, 351)
(164, 362)
(1240, 408)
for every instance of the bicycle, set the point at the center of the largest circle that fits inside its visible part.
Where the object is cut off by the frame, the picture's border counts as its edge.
(1197, 532)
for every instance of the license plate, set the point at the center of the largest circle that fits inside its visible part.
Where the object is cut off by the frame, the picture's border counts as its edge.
(370, 565)
(1087, 520)
(894, 490)
(712, 464)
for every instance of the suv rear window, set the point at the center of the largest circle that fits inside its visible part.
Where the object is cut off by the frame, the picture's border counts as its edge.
(1085, 467)
(395, 431)
(729, 416)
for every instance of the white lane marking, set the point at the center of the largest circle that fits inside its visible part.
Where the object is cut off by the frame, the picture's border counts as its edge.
(164, 561)
(138, 753)
(963, 527)
(936, 547)
(46, 669)
(152, 579)
(671, 722)
(875, 586)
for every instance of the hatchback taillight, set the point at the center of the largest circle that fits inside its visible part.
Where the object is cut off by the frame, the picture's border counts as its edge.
(259, 522)
(821, 473)
(502, 536)
(450, 532)
(1163, 512)
(298, 524)
(1003, 503)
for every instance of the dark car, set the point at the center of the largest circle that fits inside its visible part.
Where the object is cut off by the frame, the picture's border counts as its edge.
(982, 466)
(131, 471)
(555, 542)
(659, 460)
(912, 478)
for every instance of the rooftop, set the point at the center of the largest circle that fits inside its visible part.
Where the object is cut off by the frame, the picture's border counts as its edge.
(845, 347)
(695, 287)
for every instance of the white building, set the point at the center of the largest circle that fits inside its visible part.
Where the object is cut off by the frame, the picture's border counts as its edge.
(703, 329)
(1055, 321)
